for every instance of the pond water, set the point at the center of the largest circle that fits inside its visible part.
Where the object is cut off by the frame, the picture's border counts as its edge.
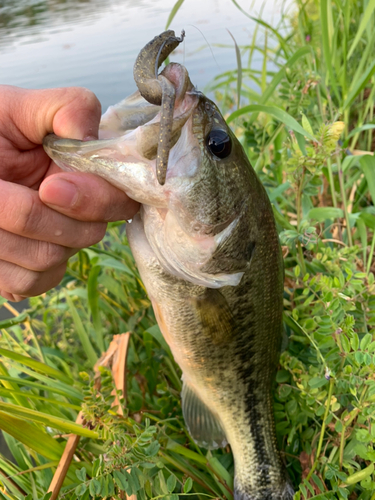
(93, 43)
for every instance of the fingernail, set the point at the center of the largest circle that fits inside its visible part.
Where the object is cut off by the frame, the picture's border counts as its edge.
(60, 193)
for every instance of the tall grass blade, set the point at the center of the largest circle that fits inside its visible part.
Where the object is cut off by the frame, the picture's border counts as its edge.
(35, 365)
(364, 22)
(93, 299)
(277, 113)
(283, 43)
(31, 436)
(9, 394)
(82, 333)
(326, 41)
(49, 420)
(358, 85)
(367, 163)
(239, 70)
(50, 387)
(173, 12)
(12, 386)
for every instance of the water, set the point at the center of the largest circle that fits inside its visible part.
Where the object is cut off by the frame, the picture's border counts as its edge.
(93, 43)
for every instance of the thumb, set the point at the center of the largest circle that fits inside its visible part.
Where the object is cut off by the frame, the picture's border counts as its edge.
(72, 112)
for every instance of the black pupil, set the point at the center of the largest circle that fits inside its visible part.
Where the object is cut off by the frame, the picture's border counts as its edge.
(219, 143)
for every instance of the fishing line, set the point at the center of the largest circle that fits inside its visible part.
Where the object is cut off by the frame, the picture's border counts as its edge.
(213, 56)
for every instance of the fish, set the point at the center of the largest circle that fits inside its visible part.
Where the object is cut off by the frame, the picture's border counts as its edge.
(207, 249)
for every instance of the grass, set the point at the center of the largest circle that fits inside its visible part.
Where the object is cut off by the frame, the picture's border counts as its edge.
(307, 123)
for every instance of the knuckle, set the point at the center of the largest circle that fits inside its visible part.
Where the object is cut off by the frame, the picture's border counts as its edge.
(26, 281)
(27, 216)
(31, 283)
(48, 256)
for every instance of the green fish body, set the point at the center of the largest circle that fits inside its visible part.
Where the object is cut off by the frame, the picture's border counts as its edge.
(208, 253)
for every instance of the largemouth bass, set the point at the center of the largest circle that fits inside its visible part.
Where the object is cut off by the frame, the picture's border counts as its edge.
(207, 250)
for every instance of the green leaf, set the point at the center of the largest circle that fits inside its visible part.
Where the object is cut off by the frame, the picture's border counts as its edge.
(121, 480)
(321, 214)
(306, 124)
(135, 473)
(96, 467)
(280, 219)
(105, 485)
(35, 365)
(318, 482)
(316, 382)
(355, 341)
(368, 219)
(80, 490)
(115, 264)
(7, 323)
(95, 487)
(81, 474)
(365, 342)
(277, 113)
(171, 483)
(345, 343)
(188, 485)
(163, 484)
(359, 357)
(360, 475)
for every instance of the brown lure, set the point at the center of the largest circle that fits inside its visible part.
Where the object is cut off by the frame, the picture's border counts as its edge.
(157, 89)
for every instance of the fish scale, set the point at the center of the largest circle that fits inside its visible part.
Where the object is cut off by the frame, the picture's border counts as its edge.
(221, 311)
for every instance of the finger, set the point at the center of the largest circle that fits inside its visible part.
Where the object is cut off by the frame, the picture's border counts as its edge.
(22, 213)
(21, 282)
(69, 112)
(12, 297)
(86, 197)
(32, 254)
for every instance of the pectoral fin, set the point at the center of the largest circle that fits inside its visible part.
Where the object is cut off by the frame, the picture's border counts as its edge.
(215, 316)
(202, 423)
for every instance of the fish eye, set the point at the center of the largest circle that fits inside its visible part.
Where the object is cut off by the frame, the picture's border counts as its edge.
(219, 143)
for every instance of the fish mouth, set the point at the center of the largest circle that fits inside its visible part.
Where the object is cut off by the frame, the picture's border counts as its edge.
(172, 90)
(164, 90)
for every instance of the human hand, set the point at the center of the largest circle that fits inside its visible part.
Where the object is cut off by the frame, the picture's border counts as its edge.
(47, 215)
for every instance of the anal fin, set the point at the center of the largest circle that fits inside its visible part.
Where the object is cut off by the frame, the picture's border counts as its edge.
(203, 424)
